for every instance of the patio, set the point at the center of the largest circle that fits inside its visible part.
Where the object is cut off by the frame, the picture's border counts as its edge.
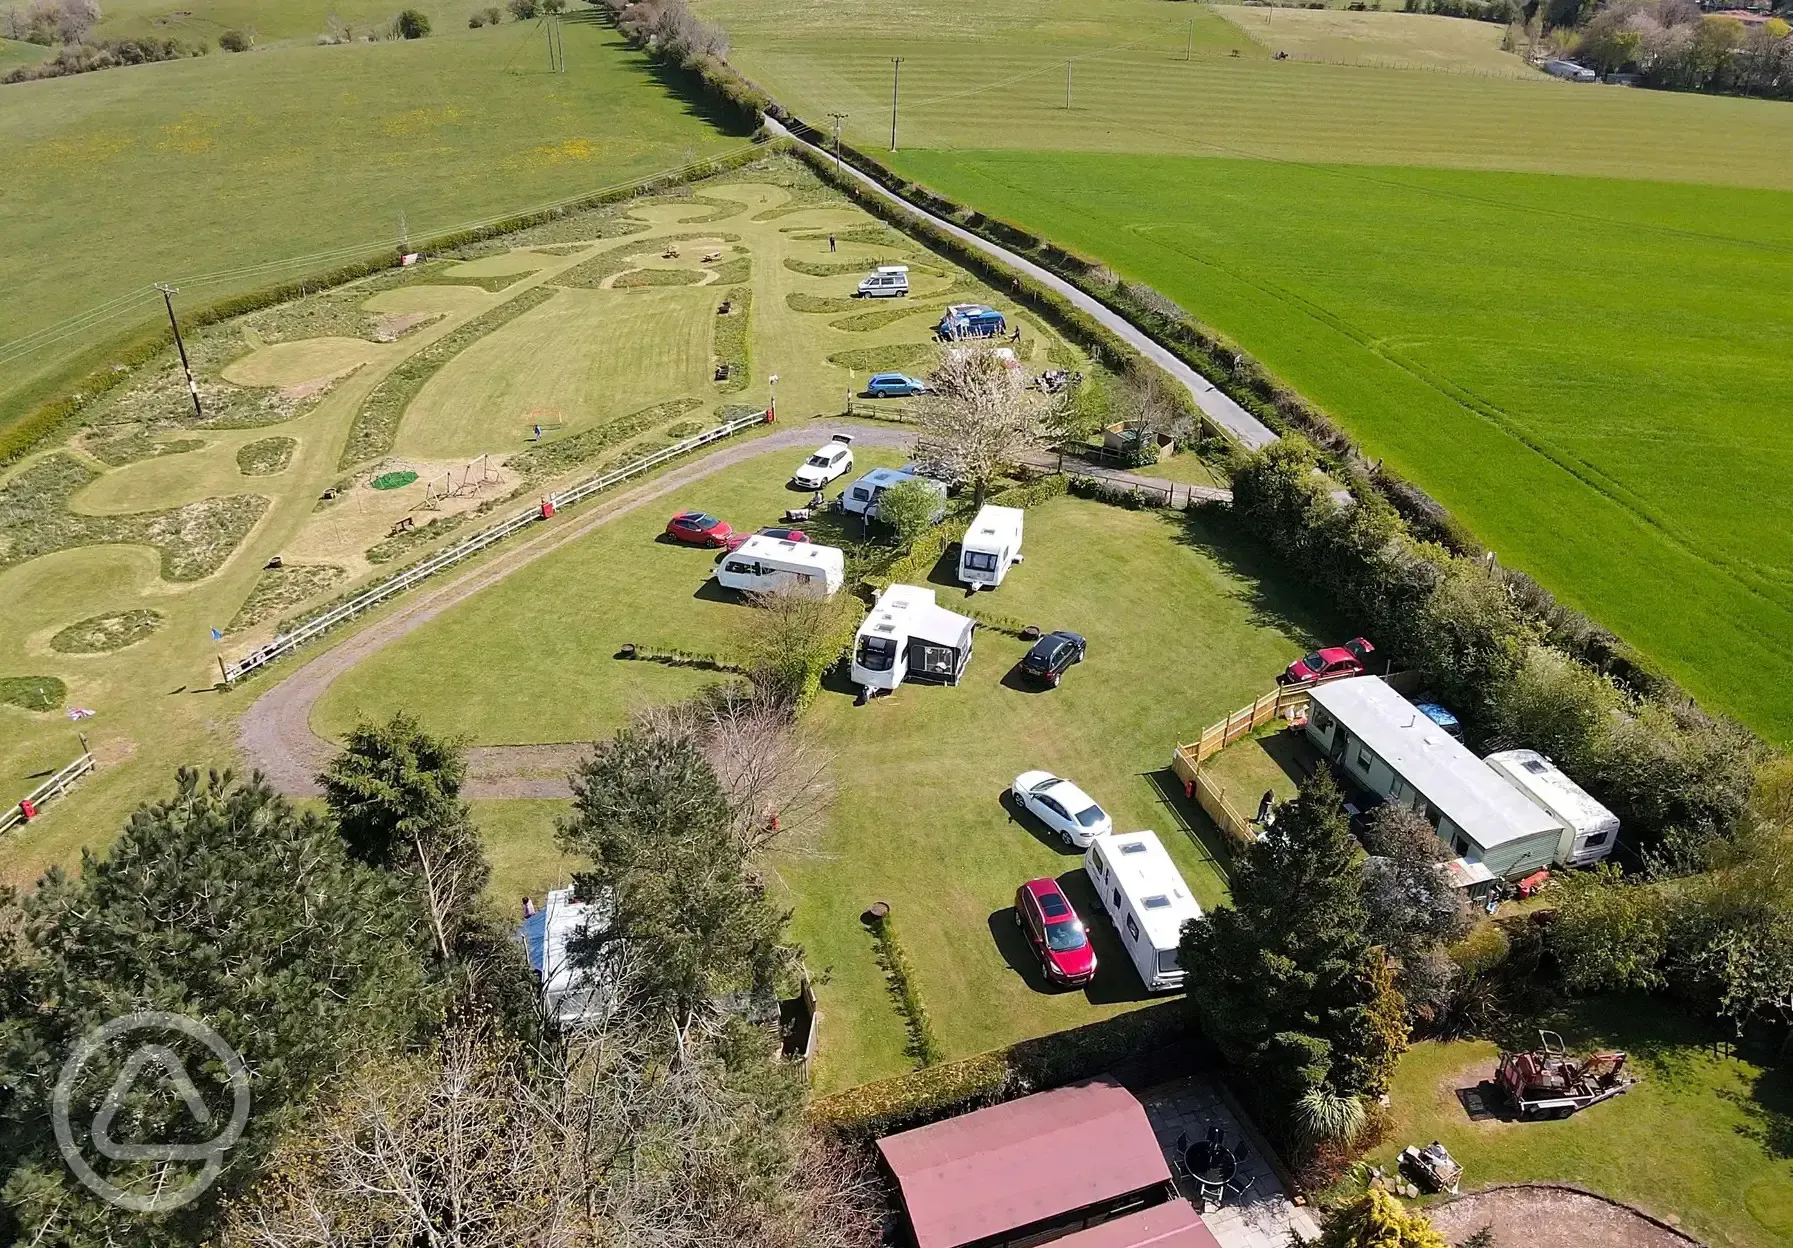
(1255, 1211)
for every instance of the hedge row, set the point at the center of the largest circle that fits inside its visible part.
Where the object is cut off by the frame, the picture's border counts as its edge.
(951, 1088)
(55, 415)
(923, 1047)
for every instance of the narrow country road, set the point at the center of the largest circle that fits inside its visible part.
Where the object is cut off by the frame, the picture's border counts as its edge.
(1251, 433)
(275, 733)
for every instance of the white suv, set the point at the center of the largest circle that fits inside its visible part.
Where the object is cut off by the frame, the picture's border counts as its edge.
(830, 461)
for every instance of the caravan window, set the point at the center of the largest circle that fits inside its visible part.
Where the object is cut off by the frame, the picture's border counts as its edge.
(1157, 902)
(1132, 928)
(877, 654)
(1598, 838)
(1167, 960)
(740, 568)
(980, 561)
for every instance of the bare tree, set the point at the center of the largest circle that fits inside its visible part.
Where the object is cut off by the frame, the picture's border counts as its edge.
(981, 416)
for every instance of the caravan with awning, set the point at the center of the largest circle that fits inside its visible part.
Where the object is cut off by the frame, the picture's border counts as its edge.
(908, 637)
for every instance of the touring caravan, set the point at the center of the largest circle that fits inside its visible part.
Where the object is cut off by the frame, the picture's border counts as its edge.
(991, 546)
(770, 565)
(1589, 829)
(1146, 898)
(861, 498)
(572, 994)
(908, 637)
(889, 281)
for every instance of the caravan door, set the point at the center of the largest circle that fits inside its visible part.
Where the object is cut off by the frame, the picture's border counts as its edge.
(934, 662)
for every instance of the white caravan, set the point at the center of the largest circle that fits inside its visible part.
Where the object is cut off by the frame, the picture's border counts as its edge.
(991, 546)
(908, 637)
(1589, 829)
(889, 281)
(572, 994)
(771, 565)
(1146, 899)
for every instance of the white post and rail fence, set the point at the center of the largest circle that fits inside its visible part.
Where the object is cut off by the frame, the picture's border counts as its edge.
(466, 548)
(51, 789)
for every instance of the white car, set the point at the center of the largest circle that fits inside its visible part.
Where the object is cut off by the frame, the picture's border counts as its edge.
(830, 461)
(1061, 806)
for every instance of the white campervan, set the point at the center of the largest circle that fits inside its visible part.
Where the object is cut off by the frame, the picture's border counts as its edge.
(907, 636)
(771, 565)
(991, 546)
(1589, 829)
(890, 281)
(861, 498)
(1147, 900)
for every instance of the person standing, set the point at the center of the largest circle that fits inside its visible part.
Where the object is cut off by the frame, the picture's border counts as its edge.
(831, 243)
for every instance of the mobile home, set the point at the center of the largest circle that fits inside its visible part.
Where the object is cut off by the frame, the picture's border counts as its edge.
(1390, 748)
(1145, 896)
(1589, 829)
(907, 637)
(861, 498)
(991, 546)
(770, 565)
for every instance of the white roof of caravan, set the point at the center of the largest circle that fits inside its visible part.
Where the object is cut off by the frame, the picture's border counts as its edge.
(993, 522)
(1477, 799)
(1544, 782)
(759, 546)
(1144, 870)
(909, 610)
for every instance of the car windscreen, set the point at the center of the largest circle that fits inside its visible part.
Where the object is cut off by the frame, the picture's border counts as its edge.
(1064, 937)
(699, 522)
(1091, 816)
(877, 654)
(1314, 663)
(817, 461)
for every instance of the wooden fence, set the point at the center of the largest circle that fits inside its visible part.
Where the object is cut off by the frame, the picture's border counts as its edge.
(1282, 702)
(48, 791)
(1213, 802)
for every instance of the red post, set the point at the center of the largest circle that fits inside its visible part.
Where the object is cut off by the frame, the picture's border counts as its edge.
(28, 808)
(547, 509)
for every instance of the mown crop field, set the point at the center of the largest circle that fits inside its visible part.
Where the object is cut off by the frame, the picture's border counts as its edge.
(1585, 369)
(209, 172)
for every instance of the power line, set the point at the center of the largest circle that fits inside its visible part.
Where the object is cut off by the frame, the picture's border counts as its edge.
(838, 118)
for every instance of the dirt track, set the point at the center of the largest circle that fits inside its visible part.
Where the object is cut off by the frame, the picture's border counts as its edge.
(1556, 1215)
(275, 732)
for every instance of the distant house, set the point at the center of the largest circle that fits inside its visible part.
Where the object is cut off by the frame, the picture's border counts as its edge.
(1390, 748)
(1078, 1167)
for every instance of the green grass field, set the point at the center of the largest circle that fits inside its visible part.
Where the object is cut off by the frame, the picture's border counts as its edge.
(1181, 631)
(1386, 40)
(213, 172)
(1701, 1141)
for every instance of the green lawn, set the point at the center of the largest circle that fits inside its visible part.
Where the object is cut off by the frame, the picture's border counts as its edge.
(1386, 40)
(203, 171)
(1508, 341)
(1703, 1140)
(1181, 629)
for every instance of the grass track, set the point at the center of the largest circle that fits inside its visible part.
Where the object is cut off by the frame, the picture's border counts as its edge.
(1510, 342)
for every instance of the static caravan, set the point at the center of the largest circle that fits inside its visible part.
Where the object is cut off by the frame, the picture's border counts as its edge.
(769, 565)
(1144, 894)
(1589, 829)
(572, 994)
(991, 546)
(861, 498)
(1387, 746)
(907, 637)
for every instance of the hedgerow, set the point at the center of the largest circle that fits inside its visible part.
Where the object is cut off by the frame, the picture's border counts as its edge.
(922, 1046)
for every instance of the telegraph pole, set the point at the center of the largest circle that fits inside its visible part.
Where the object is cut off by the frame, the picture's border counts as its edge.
(1190, 45)
(168, 294)
(838, 118)
(1067, 86)
(896, 67)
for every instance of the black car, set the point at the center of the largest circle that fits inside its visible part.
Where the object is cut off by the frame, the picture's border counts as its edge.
(1052, 655)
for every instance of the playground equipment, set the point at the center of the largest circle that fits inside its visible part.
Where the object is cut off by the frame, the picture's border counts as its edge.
(1548, 1083)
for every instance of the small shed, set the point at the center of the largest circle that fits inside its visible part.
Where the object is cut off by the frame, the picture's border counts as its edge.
(1071, 1162)
(1387, 746)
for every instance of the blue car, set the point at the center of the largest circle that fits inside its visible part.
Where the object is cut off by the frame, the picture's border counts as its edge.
(970, 320)
(894, 386)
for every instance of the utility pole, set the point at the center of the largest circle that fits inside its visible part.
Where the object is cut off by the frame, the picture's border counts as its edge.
(1190, 45)
(560, 43)
(896, 67)
(168, 294)
(1067, 86)
(838, 118)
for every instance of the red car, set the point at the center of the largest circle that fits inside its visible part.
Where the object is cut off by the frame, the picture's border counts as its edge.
(1055, 932)
(696, 528)
(1331, 662)
(736, 541)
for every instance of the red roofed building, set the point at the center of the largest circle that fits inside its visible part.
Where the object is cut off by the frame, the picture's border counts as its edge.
(1078, 1165)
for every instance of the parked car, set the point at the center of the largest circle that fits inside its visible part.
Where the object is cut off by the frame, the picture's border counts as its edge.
(1055, 932)
(835, 459)
(1329, 663)
(698, 528)
(777, 531)
(1052, 655)
(1061, 806)
(894, 386)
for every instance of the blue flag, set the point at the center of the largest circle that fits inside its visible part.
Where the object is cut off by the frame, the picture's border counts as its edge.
(217, 636)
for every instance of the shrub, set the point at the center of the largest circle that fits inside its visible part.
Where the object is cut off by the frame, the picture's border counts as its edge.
(923, 1047)
(1609, 936)
(909, 508)
(236, 40)
(522, 10)
(476, 21)
(411, 24)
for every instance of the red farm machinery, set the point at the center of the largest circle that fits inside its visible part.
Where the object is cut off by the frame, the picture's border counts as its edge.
(1548, 1083)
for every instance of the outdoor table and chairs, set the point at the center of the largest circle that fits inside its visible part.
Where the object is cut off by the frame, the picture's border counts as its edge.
(1212, 1167)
